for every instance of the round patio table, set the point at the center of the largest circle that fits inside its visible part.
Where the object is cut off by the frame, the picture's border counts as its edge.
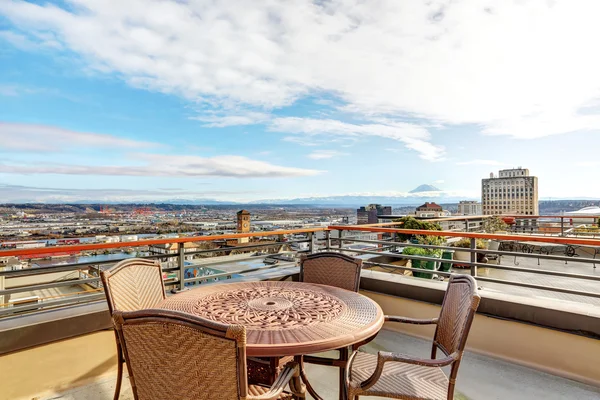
(285, 318)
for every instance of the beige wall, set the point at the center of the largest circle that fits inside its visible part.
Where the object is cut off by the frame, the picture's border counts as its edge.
(55, 367)
(563, 354)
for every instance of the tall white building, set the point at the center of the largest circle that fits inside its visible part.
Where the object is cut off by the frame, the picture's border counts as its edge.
(469, 208)
(513, 191)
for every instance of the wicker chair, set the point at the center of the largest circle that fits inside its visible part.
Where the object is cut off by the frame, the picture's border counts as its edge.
(131, 285)
(333, 269)
(173, 355)
(400, 376)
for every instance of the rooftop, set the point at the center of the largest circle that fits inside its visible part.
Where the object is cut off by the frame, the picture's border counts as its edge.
(536, 333)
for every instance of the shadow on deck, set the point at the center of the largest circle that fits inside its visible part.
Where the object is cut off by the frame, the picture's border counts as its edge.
(480, 377)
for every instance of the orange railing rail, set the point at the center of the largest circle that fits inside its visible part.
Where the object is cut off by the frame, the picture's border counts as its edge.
(139, 243)
(473, 235)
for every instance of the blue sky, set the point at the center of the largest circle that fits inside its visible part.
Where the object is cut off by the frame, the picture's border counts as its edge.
(233, 101)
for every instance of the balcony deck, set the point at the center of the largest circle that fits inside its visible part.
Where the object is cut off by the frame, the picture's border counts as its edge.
(546, 321)
(83, 368)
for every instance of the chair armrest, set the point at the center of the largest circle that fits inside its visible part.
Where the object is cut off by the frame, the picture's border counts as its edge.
(290, 372)
(407, 320)
(385, 356)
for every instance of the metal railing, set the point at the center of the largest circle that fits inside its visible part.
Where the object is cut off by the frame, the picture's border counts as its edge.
(88, 272)
(515, 247)
(511, 247)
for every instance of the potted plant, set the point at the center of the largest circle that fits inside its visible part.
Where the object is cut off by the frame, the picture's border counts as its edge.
(494, 225)
(419, 264)
(424, 252)
(465, 243)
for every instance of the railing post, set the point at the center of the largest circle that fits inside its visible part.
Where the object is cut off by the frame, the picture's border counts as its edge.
(181, 261)
(562, 226)
(340, 236)
(473, 257)
(466, 225)
(327, 240)
(311, 242)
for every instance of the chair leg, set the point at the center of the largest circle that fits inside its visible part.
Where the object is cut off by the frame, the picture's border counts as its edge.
(344, 353)
(120, 362)
(451, 391)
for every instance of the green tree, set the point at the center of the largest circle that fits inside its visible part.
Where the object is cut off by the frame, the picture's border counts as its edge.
(493, 224)
(409, 222)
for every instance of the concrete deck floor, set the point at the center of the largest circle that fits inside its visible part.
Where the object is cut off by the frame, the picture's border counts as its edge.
(480, 378)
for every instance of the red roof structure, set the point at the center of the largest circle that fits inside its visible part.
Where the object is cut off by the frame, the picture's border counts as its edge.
(430, 207)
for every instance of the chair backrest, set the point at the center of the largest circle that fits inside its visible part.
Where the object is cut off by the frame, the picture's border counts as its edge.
(458, 309)
(172, 355)
(333, 269)
(133, 284)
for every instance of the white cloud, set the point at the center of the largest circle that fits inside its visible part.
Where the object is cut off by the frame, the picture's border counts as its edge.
(481, 162)
(14, 90)
(439, 182)
(221, 121)
(300, 140)
(155, 165)
(21, 194)
(29, 138)
(502, 65)
(44, 138)
(312, 141)
(588, 164)
(325, 154)
(412, 136)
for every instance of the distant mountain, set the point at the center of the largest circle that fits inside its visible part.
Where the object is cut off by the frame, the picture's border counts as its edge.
(425, 188)
(356, 201)
(205, 202)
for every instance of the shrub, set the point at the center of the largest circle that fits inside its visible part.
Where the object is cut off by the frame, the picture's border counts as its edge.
(493, 224)
(414, 251)
(432, 241)
(409, 222)
(466, 243)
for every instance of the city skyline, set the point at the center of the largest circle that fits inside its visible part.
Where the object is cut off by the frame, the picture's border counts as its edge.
(273, 100)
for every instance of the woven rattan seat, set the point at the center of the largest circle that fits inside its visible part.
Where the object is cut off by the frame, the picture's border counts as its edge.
(131, 285)
(413, 381)
(332, 269)
(173, 355)
(404, 377)
(258, 390)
